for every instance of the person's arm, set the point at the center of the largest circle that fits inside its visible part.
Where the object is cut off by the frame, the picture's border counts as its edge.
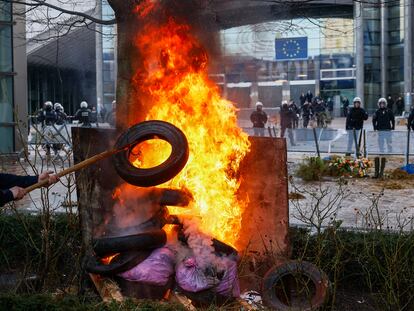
(392, 119)
(365, 115)
(9, 180)
(6, 196)
(348, 121)
(374, 121)
(410, 119)
(252, 117)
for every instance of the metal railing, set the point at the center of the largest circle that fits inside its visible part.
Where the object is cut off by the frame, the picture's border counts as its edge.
(355, 142)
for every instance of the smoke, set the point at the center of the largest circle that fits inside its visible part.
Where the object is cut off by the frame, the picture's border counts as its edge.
(201, 246)
(135, 210)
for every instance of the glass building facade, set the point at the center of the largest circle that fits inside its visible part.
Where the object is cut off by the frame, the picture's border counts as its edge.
(328, 70)
(6, 79)
(79, 66)
(331, 68)
(109, 55)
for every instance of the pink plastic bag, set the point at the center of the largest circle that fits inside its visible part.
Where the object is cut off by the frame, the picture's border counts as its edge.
(191, 278)
(155, 270)
(229, 284)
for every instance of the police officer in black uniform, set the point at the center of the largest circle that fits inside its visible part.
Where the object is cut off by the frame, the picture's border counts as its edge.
(83, 115)
(355, 121)
(47, 117)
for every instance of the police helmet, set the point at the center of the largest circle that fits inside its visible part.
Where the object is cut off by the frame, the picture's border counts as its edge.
(383, 101)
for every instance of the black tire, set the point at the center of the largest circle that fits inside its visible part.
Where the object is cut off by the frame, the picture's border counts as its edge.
(137, 242)
(220, 248)
(174, 197)
(274, 276)
(159, 174)
(121, 263)
(223, 248)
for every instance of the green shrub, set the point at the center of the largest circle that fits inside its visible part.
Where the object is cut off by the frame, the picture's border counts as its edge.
(312, 169)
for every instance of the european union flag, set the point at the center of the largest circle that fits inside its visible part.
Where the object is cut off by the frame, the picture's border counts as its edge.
(292, 48)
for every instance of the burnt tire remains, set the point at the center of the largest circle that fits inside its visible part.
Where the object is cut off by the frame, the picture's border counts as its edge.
(294, 268)
(136, 242)
(157, 175)
(121, 263)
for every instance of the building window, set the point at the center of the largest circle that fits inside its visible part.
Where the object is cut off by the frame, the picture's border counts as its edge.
(5, 11)
(5, 49)
(6, 79)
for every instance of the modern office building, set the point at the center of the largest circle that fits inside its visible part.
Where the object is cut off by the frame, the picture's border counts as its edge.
(69, 64)
(358, 48)
(13, 77)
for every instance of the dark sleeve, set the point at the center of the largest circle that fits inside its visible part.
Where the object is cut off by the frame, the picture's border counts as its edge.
(252, 117)
(8, 180)
(348, 121)
(6, 196)
(410, 119)
(374, 121)
(365, 115)
(392, 119)
(40, 116)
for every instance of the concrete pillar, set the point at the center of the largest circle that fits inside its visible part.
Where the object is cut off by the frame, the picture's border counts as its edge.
(384, 49)
(359, 49)
(99, 56)
(317, 75)
(408, 53)
(20, 79)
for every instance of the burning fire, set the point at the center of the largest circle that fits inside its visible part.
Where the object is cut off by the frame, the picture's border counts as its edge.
(107, 260)
(177, 87)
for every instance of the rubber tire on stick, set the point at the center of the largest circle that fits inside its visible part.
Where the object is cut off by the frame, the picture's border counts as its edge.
(121, 263)
(137, 242)
(157, 175)
(275, 275)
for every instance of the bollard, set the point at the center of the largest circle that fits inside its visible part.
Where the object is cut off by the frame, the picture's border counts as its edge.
(407, 156)
(356, 143)
(360, 141)
(365, 144)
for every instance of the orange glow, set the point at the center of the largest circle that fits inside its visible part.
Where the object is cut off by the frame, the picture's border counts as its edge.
(108, 260)
(150, 153)
(175, 82)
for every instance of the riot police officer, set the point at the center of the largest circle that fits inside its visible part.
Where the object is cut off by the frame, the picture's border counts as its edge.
(47, 117)
(83, 115)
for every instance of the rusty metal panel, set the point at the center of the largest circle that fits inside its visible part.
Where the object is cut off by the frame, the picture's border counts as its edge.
(264, 181)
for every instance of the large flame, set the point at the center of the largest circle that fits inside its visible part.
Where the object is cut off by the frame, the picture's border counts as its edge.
(176, 84)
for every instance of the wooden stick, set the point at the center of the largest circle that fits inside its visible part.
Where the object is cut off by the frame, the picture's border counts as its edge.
(77, 167)
(107, 289)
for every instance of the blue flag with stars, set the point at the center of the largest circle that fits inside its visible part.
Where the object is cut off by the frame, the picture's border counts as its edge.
(292, 48)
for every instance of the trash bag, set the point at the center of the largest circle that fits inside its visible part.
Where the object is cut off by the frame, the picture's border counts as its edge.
(190, 277)
(229, 284)
(155, 270)
(224, 281)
